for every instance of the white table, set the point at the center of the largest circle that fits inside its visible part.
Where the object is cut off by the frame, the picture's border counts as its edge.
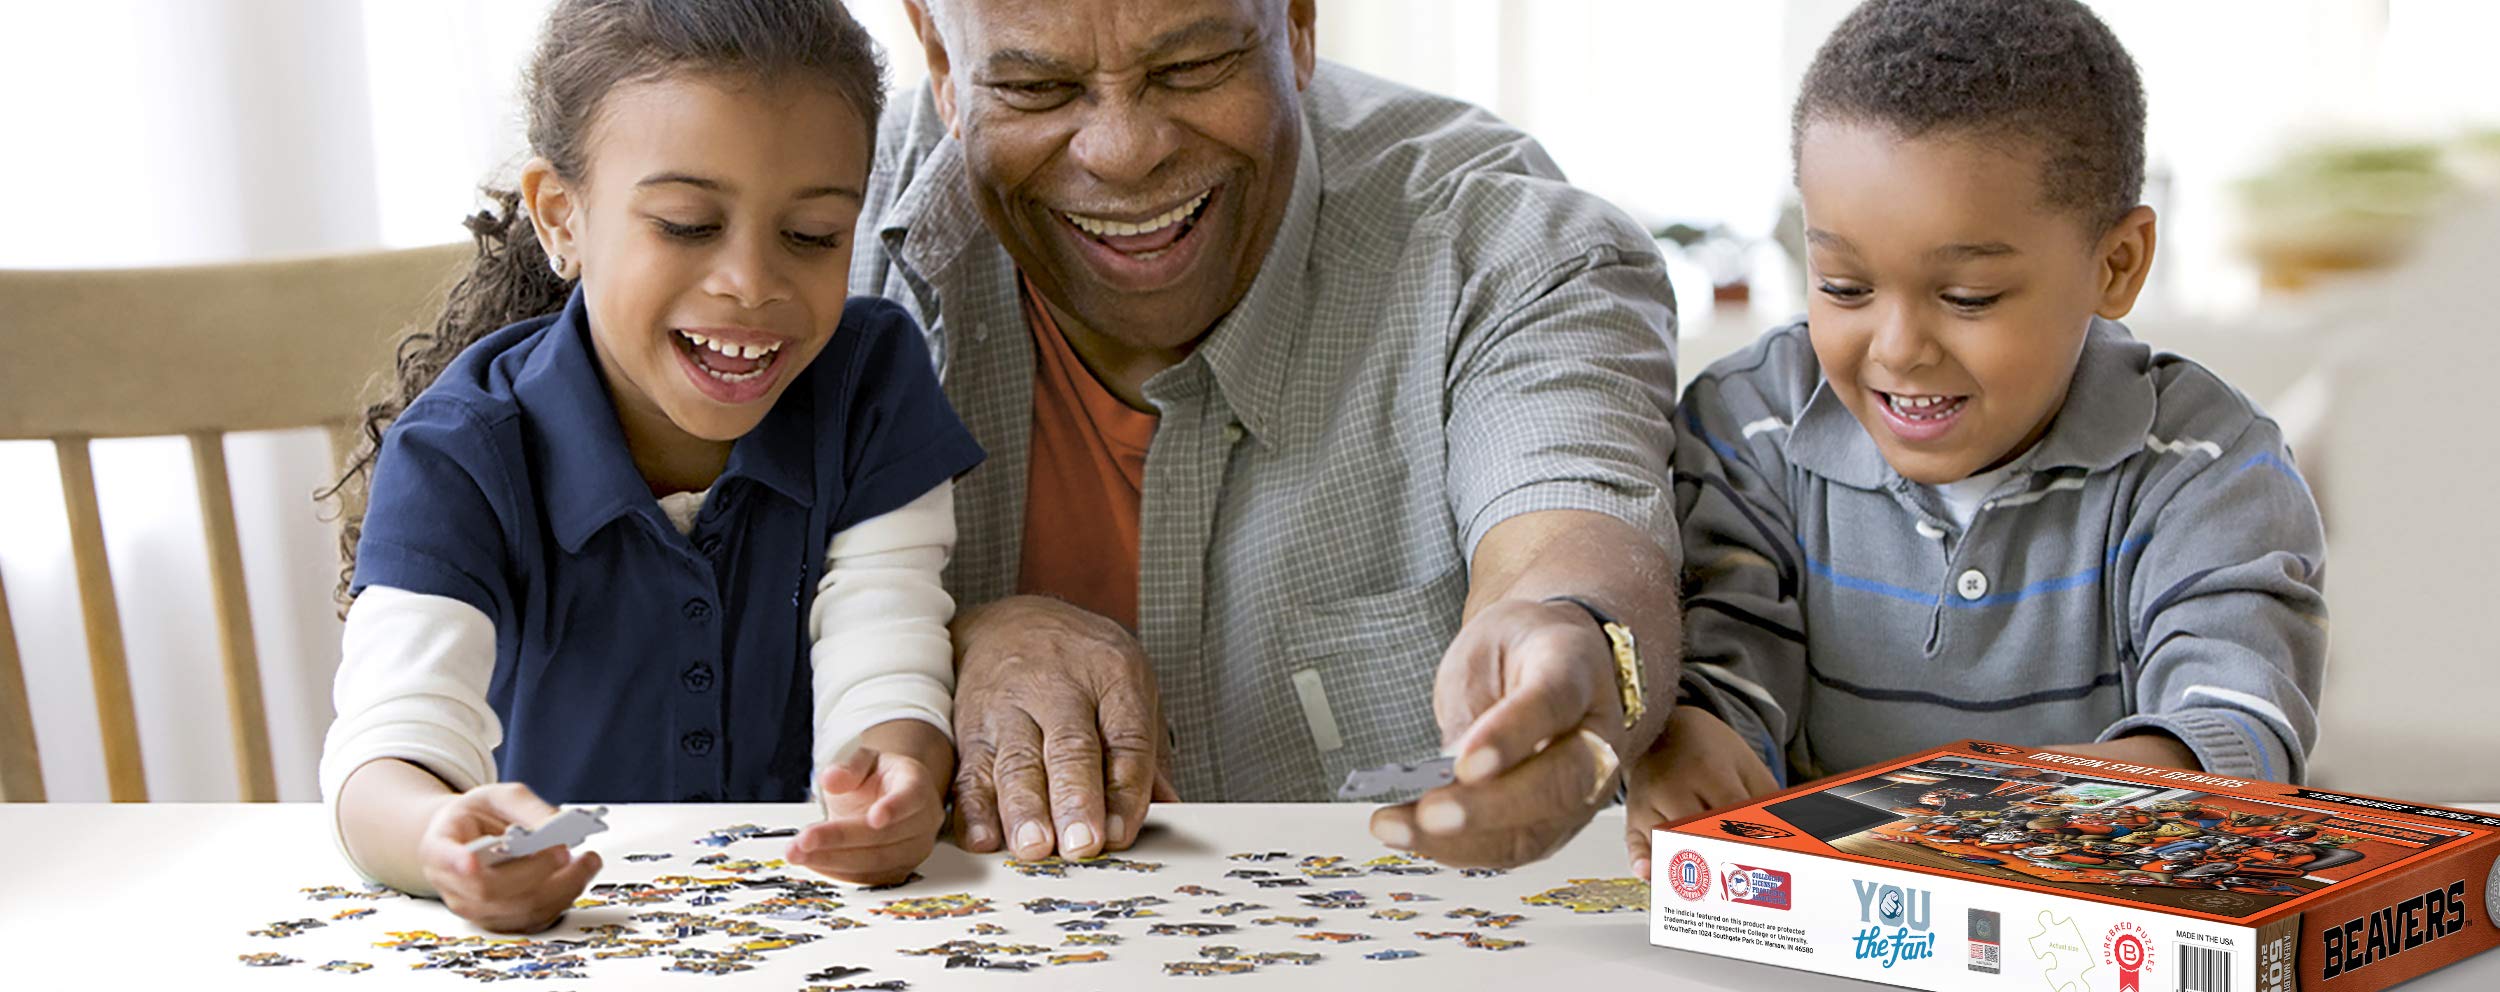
(161, 896)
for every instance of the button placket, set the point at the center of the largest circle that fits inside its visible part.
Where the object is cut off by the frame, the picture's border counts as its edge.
(1971, 585)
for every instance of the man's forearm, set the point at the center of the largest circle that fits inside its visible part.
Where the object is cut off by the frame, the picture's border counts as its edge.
(1612, 564)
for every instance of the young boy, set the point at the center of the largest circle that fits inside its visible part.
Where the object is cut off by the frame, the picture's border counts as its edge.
(1960, 500)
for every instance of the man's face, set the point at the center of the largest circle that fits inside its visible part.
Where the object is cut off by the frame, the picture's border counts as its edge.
(1134, 156)
(1948, 300)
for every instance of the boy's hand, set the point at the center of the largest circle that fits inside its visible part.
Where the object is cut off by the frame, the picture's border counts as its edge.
(1698, 764)
(2146, 747)
(524, 895)
(882, 814)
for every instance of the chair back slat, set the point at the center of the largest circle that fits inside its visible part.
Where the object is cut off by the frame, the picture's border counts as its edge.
(274, 345)
(196, 351)
(21, 766)
(244, 709)
(125, 774)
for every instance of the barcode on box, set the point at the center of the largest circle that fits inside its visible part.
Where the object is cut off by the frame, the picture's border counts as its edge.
(2204, 969)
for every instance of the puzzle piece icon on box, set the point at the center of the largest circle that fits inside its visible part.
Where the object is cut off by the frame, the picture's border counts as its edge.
(1399, 776)
(2060, 945)
(568, 827)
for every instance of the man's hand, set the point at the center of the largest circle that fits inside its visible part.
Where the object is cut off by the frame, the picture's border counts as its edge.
(1526, 698)
(524, 895)
(1059, 730)
(1699, 764)
(884, 801)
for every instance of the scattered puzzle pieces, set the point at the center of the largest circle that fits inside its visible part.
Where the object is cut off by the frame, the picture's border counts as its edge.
(1201, 969)
(1596, 895)
(1191, 929)
(935, 907)
(288, 928)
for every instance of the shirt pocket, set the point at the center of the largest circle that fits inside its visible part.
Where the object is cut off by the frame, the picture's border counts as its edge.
(1360, 672)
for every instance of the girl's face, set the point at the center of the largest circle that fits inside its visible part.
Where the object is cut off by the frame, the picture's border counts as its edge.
(712, 235)
(1949, 300)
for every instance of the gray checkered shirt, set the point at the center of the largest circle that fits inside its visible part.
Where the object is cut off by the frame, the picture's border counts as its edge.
(1444, 335)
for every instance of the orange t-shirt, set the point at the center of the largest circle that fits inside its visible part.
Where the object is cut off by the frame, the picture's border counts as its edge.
(1085, 482)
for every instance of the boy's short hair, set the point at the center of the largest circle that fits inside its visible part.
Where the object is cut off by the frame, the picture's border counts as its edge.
(2045, 71)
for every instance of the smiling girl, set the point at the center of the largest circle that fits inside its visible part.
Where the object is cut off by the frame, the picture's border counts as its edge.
(658, 513)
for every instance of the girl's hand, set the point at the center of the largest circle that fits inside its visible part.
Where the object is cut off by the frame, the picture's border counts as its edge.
(1699, 764)
(882, 814)
(524, 895)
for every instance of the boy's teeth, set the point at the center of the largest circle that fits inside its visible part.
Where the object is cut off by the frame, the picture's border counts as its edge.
(1920, 407)
(1115, 229)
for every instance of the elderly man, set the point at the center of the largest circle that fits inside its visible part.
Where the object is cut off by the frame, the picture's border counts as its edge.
(1327, 428)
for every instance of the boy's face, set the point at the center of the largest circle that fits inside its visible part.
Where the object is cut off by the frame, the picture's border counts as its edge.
(1947, 299)
(712, 236)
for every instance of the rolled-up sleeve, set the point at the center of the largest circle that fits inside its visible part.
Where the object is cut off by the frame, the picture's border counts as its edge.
(881, 650)
(1565, 400)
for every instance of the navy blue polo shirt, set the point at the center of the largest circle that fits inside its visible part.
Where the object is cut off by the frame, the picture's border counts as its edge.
(633, 663)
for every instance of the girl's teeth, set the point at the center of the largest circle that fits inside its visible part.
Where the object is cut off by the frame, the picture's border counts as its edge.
(728, 350)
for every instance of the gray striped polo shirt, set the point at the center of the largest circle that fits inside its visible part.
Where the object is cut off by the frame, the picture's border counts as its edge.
(2156, 563)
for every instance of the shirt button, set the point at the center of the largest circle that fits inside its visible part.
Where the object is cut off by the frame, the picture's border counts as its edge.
(1971, 585)
(697, 743)
(698, 677)
(697, 609)
(1233, 433)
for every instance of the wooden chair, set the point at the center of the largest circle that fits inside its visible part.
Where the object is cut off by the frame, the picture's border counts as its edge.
(194, 351)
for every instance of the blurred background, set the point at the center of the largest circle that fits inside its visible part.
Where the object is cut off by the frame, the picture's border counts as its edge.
(2303, 153)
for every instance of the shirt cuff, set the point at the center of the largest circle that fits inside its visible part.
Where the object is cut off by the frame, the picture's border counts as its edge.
(2226, 741)
(1696, 690)
(882, 699)
(1652, 513)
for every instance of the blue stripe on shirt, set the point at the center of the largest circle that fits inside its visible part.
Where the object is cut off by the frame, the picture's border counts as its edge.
(2075, 581)
(2270, 460)
(2265, 765)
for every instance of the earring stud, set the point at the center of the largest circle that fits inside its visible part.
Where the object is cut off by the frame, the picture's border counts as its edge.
(555, 263)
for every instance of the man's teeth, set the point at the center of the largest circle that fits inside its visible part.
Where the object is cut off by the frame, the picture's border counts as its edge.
(1922, 407)
(727, 350)
(1116, 229)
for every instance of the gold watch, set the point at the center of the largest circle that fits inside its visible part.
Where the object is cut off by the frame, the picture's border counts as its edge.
(1628, 676)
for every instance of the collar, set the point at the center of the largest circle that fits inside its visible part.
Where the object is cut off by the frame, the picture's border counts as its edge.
(2108, 411)
(1250, 350)
(933, 221)
(588, 478)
